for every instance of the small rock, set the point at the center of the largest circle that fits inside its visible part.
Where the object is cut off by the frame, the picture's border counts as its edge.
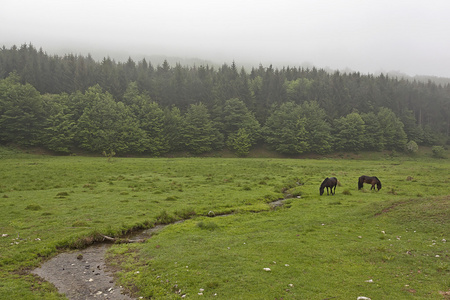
(267, 269)
(363, 298)
(370, 280)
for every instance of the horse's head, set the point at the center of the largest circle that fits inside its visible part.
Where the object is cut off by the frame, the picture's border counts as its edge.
(321, 189)
(379, 185)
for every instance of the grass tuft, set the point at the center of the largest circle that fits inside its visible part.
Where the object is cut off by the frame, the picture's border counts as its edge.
(207, 225)
(33, 207)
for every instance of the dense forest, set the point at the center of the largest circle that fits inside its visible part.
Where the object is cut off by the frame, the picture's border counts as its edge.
(72, 102)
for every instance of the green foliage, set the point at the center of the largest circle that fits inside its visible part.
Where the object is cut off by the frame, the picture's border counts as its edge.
(199, 133)
(135, 108)
(240, 127)
(318, 130)
(22, 112)
(107, 125)
(151, 120)
(373, 135)
(438, 151)
(59, 131)
(285, 130)
(412, 147)
(350, 132)
(394, 137)
(240, 142)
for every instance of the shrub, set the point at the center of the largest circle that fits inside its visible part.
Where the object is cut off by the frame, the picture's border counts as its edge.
(438, 151)
(412, 147)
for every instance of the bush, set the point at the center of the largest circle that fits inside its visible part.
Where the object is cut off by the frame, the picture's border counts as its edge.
(412, 147)
(438, 151)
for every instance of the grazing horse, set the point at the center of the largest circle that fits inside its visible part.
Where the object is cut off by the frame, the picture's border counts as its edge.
(371, 180)
(328, 183)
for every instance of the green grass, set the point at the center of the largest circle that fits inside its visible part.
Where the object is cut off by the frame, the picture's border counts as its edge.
(316, 246)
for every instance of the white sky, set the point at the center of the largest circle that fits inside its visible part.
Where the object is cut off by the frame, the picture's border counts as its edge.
(369, 36)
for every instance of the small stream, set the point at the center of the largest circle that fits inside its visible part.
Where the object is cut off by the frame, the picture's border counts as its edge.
(83, 274)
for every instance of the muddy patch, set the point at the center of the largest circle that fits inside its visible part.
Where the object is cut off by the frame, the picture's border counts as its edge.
(83, 274)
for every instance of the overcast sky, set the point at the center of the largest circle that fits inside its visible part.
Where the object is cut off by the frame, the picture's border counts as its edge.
(370, 36)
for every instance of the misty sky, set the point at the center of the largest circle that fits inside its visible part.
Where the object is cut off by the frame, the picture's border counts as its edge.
(410, 36)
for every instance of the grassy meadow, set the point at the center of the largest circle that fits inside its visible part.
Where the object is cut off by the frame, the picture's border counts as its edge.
(391, 244)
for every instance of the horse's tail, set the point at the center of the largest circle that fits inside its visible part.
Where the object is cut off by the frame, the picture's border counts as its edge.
(360, 183)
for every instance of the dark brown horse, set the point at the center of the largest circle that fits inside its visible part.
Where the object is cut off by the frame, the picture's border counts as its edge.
(328, 183)
(370, 180)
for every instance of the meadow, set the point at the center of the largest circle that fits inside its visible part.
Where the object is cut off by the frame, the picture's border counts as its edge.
(390, 244)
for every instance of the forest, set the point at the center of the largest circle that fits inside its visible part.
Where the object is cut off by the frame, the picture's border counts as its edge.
(73, 103)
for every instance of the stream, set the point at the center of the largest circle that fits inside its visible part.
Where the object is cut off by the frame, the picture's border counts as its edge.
(83, 274)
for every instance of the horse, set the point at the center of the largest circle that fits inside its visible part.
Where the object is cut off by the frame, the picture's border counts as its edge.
(371, 180)
(328, 183)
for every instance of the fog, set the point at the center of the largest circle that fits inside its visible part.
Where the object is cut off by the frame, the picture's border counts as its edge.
(410, 37)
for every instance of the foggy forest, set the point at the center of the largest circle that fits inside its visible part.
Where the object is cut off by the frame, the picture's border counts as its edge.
(74, 103)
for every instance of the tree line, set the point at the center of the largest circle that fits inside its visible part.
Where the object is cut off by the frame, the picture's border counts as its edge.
(73, 102)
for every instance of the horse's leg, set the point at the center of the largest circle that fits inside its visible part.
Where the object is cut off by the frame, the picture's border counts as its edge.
(327, 191)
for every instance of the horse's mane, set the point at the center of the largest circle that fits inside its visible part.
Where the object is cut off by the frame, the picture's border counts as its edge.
(324, 182)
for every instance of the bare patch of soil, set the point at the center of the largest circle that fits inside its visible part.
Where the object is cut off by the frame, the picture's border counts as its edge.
(82, 275)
